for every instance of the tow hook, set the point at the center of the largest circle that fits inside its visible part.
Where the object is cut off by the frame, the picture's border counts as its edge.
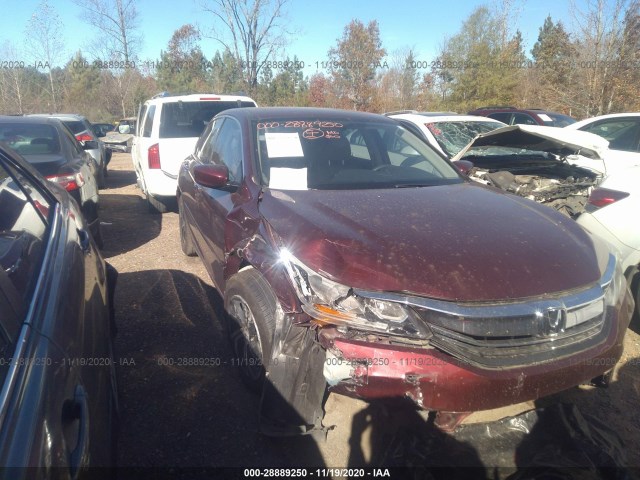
(602, 381)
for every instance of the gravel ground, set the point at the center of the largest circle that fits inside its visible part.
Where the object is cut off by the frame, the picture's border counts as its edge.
(178, 415)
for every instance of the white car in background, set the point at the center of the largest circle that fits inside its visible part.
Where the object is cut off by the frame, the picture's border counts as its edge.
(447, 132)
(167, 130)
(622, 130)
(610, 214)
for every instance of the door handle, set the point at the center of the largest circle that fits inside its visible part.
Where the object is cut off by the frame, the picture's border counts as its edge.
(79, 410)
(85, 240)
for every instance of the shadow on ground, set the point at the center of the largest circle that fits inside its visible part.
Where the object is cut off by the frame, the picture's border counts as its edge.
(183, 404)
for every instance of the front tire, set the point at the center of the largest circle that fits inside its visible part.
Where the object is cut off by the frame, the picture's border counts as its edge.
(251, 315)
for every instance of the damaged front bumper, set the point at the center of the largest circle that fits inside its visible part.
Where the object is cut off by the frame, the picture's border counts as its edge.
(435, 380)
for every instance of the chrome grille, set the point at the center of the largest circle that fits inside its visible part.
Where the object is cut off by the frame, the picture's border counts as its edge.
(504, 335)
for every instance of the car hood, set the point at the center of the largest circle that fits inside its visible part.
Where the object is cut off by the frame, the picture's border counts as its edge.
(459, 242)
(548, 139)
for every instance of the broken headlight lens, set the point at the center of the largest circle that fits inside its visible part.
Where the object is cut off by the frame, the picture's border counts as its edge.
(332, 303)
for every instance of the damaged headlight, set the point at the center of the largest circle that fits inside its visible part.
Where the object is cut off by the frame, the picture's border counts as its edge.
(616, 287)
(333, 303)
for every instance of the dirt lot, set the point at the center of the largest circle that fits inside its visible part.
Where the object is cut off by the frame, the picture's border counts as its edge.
(177, 415)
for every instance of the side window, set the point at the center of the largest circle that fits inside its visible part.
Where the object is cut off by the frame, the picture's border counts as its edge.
(24, 213)
(523, 119)
(206, 150)
(504, 117)
(141, 114)
(358, 145)
(69, 137)
(148, 123)
(622, 133)
(227, 149)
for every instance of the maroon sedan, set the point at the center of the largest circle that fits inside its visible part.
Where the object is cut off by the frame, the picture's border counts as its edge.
(351, 255)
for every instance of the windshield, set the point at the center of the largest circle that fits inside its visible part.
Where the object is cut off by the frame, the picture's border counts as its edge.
(454, 136)
(305, 154)
(30, 138)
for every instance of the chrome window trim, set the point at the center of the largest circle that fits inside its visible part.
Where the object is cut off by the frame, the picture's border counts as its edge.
(25, 333)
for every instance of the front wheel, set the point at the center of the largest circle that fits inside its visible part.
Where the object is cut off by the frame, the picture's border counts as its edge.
(251, 315)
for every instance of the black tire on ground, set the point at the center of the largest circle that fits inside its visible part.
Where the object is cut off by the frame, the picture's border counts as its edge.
(635, 290)
(97, 235)
(186, 237)
(100, 180)
(251, 315)
(154, 205)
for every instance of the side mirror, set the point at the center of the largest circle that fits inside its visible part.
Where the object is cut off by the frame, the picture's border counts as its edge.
(463, 166)
(124, 129)
(211, 176)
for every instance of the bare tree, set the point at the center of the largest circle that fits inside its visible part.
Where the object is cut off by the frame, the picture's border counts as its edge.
(45, 44)
(600, 32)
(117, 21)
(12, 82)
(253, 30)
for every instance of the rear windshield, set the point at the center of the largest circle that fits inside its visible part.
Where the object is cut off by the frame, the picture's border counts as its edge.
(303, 154)
(30, 138)
(188, 119)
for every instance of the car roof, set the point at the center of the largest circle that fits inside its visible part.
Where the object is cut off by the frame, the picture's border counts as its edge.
(32, 119)
(61, 116)
(420, 118)
(587, 121)
(166, 98)
(514, 109)
(304, 114)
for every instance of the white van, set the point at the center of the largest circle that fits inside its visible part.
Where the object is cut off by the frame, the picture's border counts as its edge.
(167, 130)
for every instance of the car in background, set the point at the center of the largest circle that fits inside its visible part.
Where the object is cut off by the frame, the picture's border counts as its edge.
(101, 129)
(609, 214)
(556, 167)
(58, 393)
(531, 116)
(168, 128)
(350, 254)
(53, 151)
(622, 130)
(88, 139)
(120, 139)
(448, 133)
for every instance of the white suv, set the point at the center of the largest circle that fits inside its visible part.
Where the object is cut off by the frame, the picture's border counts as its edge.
(167, 130)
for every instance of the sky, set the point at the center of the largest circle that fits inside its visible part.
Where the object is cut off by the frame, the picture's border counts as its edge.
(318, 24)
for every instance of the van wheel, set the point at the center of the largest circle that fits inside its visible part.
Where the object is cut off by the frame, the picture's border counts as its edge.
(186, 238)
(251, 315)
(154, 205)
